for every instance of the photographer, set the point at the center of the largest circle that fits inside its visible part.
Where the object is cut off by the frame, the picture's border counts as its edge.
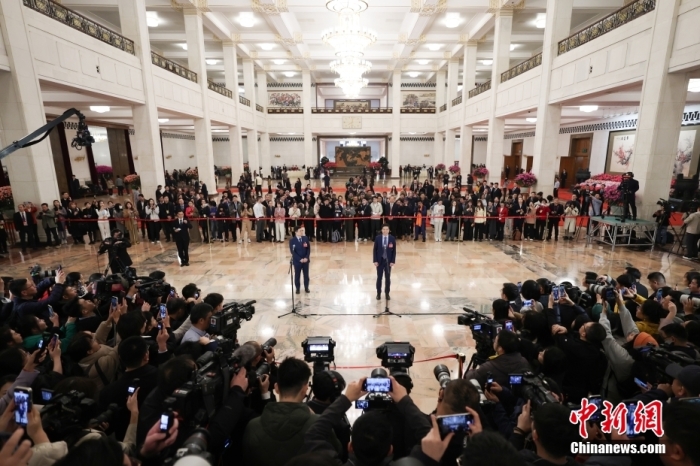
(552, 434)
(199, 318)
(100, 362)
(325, 393)
(564, 312)
(676, 339)
(508, 360)
(24, 294)
(116, 246)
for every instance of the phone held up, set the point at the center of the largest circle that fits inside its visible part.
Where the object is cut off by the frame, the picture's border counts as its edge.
(23, 405)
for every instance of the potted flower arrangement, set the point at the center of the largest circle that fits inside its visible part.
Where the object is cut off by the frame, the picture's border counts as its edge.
(133, 181)
(294, 168)
(324, 161)
(7, 202)
(526, 180)
(104, 170)
(480, 172)
(330, 166)
(374, 165)
(440, 167)
(454, 169)
(225, 170)
(192, 173)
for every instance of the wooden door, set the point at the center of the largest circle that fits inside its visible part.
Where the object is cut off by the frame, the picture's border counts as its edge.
(513, 163)
(528, 163)
(568, 164)
(580, 152)
(516, 148)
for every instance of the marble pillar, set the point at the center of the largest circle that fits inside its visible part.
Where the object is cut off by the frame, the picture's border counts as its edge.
(234, 133)
(465, 150)
(440, 88)
(265, 157)
(438, 148)
(395, 90)
(449, 148)
(252, 134)
(145, 143)
(452, 81)
(308, 96)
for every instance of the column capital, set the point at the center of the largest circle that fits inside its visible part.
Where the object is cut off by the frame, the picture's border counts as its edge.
(191, 7)
(507, 6)
(235, 40)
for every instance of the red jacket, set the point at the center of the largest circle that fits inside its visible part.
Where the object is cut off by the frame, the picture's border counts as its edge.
(542, 212)
(502, 214)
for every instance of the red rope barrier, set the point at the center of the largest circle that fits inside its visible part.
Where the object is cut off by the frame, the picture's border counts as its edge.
(449, 356)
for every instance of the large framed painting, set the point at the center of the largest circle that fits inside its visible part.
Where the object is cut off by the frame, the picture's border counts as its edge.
(284, 99)
(352, 156)
(620, 151)
(351, 105)
(418, 99)
(684, 154)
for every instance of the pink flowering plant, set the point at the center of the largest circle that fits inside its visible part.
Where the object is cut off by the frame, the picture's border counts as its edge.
(294, 168)
(481, 172)
(192, 173)
(6, 200)
(133, 181)
(526, 179)
(454, 169)
(440, 166)
(105, 170)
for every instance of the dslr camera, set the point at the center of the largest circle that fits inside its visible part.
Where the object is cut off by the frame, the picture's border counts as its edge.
(531, 387)
(484, 330)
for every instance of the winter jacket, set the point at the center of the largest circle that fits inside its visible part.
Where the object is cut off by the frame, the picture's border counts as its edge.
(48, 218)
(108, 360)
(500, 367)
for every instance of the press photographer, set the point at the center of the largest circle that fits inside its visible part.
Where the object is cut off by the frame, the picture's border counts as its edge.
(25, 293)
(116, 248)
(508, 360)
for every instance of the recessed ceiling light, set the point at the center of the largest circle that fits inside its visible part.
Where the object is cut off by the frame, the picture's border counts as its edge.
(267, 46)
(241, 90)
(289, 74)
(513, 46)
(246, 20)
(99, 108)
(541, 20)
(211, 62)
(163, 120)
(452, 20)
(411, 132)
(352, 132)
(423, 62)
(413, 74)
(588, 108)
(434, 47)
(487, 62)
(694, 85)
(459, 88)
(184, 46)
(278, 62)
(152, 19)
(531, 120)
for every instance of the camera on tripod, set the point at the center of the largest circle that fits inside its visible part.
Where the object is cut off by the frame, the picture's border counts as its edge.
(228, 321)
(655, 360)
(319, 351)
(484, 331)
(531, 387)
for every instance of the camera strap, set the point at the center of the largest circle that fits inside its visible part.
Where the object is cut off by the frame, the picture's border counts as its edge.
(102, 375)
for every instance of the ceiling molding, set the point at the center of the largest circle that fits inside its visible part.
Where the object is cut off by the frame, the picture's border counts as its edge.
(270, 9)
(403, 39)
(428, 7)
(510, 5)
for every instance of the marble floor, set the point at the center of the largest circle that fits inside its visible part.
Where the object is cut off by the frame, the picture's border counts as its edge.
(431, 283)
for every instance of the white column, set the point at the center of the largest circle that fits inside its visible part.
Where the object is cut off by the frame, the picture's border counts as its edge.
(465, 156)
(253, 152)
(204, 150)
(544, 162)
(395, 159)
(261, 94)
(449, 148)
(234, 132)
(265, 156)
(249, 81)
(438, 149)
(661, 106)
(501, 63)
(31, 170)
(308, 94)
(452, 80)
(440, 88)
(145, 144)
(469, 69)
(252, 134)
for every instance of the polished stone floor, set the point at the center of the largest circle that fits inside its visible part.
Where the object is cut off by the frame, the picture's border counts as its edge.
(431, 283)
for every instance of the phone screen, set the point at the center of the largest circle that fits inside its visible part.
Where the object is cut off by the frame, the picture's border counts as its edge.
(50, 310)
(22, 407)
(555, 293)
(172, 293)
(516, 379)
(41, 344)
(164, 422)
(196, 295)
(509, 325)
(54, 339)
(454, 423)
(520, 285)
(160, 327)
(640, 383)
(46, 394)
(377, 385)
(163, 311)
(659, 296)
(114, 301)
(131, 390)
(361, 404)
(562, 292)
(598, 403)
(631, 407)
(610, 294)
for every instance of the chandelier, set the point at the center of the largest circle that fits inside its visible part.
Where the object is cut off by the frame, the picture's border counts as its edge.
(349, 40)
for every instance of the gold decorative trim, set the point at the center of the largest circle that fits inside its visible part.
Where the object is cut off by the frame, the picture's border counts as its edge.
(253, 54)
(297, 39)
(168, 156)
(403, 39)
(495, 6)
(280, 6)
(80, 158)
(423, 8)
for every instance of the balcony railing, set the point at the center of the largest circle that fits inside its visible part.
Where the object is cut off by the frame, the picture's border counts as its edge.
(244, 101)
(173, 67)
(285, 110)
(443, 107)
(219, 89)
(622, 16)
(81, 23)
(479, 89)
(457, 100)
(521, 68)
(345, 110)
(417, 109)
(259, 108)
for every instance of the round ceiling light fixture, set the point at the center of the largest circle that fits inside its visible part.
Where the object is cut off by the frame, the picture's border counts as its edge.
(99, 108)
(588, 108)
(531, 120)
(413, 74)
(246, 19)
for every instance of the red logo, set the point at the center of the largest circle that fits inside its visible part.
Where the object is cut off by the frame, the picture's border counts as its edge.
(626, 419)
(306, 245)
(391, 245)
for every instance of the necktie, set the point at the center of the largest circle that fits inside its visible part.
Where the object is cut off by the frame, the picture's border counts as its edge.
(180, 222)
(385, 241)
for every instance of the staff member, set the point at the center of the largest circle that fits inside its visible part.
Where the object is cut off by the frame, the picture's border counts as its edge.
(384, 259)
(629, 186)
(116, 248)
(181, 235)
(301, 254)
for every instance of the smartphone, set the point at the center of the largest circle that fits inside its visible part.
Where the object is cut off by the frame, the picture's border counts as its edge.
(516, 379)
(115, 300)
(377, 385)
(631, 407)
(46, 394)
(361, 404)
(172, 292)
(454, 423)
(50, 310)
(131, 390)
(59, 268)
(509, 326)
(54, 339)
(489, 382)
(520, 285)
(23, 404)
(166, 421)
(196, 295)
(40, 345)
(555, 293)
(562, 292)
(163, 311)
(597, 401)
(160, 327)
(610, 294)
(640, 383)
(527, 303)
(659, 296)
(623, 291)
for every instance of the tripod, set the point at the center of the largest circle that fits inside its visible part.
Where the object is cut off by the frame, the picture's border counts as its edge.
(386, 311)
(475, 362)
(294, 310)
(115, 259)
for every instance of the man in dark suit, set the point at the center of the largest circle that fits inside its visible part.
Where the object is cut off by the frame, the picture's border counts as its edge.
(301, 254)
(141, 209)
(181, 234)
(629, 187)
(23, 224)
(384, 259)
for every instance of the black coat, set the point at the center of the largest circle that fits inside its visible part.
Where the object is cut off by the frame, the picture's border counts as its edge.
(181, 232)
(118, 250)
(19, 224)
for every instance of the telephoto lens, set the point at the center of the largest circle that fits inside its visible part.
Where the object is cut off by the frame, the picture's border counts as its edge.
(442, 375)
(379, 373)
(270, 343)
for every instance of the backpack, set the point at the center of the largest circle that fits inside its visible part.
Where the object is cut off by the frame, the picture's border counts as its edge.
(335, 237)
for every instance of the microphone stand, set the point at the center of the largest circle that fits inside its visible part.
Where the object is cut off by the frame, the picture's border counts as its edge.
(294, 310)
(386, 311)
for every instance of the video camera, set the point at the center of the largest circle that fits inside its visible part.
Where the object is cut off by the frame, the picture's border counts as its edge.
(37, 274)
(533, 388)
(264, 367)
(484, 330)
(319, 350)
(655, 360)
(194, 446)
(67, 415)
(442, 375)
(228, 321)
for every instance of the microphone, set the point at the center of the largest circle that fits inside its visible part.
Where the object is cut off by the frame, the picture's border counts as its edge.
(243, 355)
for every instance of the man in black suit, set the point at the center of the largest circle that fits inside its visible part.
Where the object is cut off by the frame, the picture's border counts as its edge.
(384, 259)
(141, 209)
(116, 247)
(23, 224)
(300, 248)
(629, 187)
(166, 212)
(181, 235)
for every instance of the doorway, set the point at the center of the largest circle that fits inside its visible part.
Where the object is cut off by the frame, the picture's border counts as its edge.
(580, 151)
(513, 162)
